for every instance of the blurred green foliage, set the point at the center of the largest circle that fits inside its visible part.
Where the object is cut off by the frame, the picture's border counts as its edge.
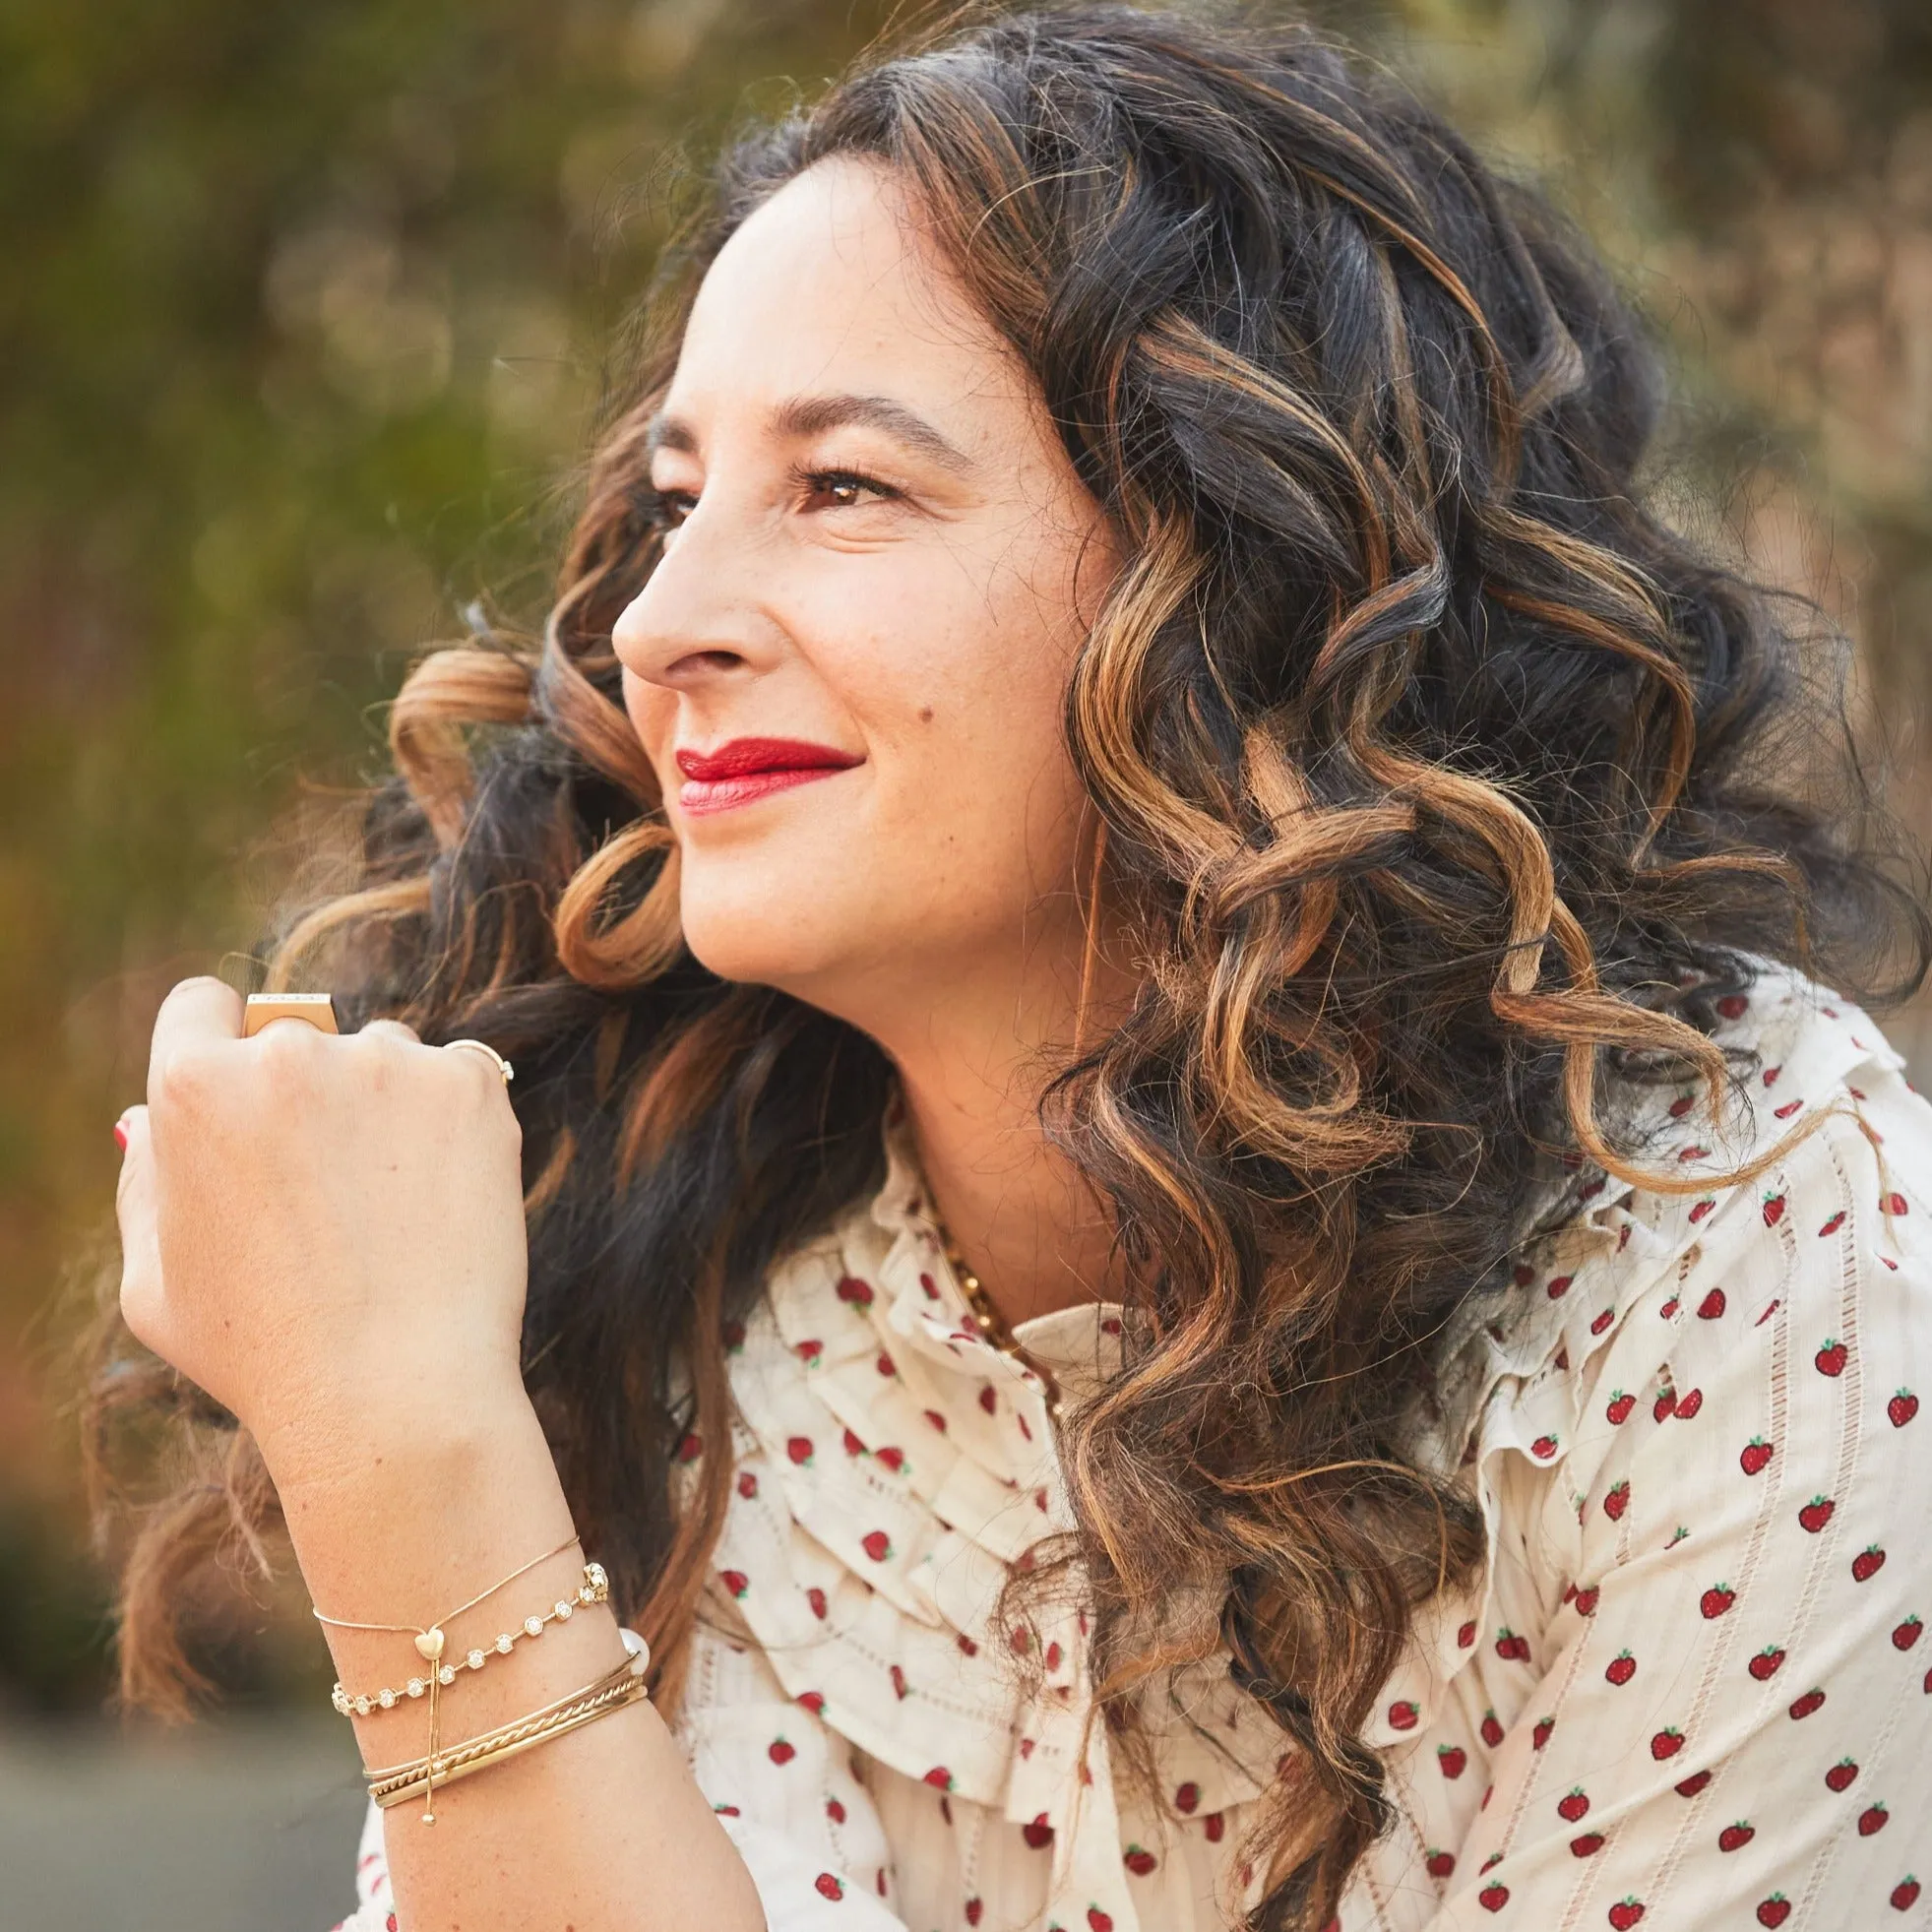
(304, 317)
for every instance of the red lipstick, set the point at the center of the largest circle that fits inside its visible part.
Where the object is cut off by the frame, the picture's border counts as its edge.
(748, 769)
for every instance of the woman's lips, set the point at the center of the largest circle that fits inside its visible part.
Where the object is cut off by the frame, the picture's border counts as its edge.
(748, 769)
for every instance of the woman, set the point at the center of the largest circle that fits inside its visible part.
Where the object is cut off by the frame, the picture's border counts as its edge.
(1199, 1250)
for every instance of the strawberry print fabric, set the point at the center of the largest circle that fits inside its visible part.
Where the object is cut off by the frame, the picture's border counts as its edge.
(1690, 1690)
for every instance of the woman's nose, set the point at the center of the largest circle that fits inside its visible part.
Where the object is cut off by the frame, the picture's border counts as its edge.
(695, 620)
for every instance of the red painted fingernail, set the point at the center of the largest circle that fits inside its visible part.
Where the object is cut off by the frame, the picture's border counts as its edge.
(121, 1136)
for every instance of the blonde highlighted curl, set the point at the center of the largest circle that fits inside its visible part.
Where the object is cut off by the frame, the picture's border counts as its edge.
(1432, 766)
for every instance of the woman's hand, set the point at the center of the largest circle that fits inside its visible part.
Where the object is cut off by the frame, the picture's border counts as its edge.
(325, 1233)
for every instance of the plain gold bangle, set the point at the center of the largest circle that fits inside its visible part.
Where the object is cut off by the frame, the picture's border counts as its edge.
(622, 1684)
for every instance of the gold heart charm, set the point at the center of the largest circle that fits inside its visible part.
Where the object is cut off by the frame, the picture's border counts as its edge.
(430, 1644)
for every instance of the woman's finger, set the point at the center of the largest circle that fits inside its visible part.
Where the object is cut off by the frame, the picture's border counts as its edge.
(196, 1014)
(133, 1210)
(393, 1029)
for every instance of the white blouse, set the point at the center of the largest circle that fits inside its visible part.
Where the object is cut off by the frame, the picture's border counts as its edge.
(1687, 1690)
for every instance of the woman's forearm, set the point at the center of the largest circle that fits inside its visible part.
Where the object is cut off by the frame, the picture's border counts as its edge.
(601, 1830)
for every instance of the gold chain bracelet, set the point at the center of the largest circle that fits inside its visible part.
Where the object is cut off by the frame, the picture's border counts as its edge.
(595, 1589)
(623, 1684)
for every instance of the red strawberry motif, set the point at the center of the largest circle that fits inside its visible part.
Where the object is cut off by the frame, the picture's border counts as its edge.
(1905, 1635)
(1733, 1838)
(809, 1352)
(815, 1596)
(897, 1676)
(1544, 1448)
(1774, 1209)
(1764, 1666)
(1669, 1308)
(1510, 1648)
(1539, 1736)
(1586, 1600)
(1559, 1288)
(747, 1485)
(1712, 1306)
(1901, 1407)
(780, 1752)
(1453, 1759)
(885, 1364)
(976, 1909)
(853, 1447)
(835, 1811)
(1097, 1920)
(1716, 1600)
(1894, 1203)
(1770, 1075)
(1621, 1403)
(1832, 1225)
(800, 1449)
(1831, 1358)
(1754, 1455)
(1493, 1897)
(1840, 1774)
(1617, 1500)
(1666, 1743)
(1682, 1106)
(1603, 1320)
(812, 1701)
(1038, 1834)
(1774, 1910)
(1625, 1913)
(968, 1646)
(1467, 1635)
(940, 1779)
(876, 1544)
(1688, 1405)
(1690, 1786)
(1492, 1730)
(1701, 1208)
(1439, 1864)
(1403, 1715)
(1664, 1403)
(1904, 1895)
(1139, 1860)
(1621, 1668)
(1572, 1805)
(1187, 1797)
(855, 1291)
(937, 1421)
(1872, 1819)
(735, 1580)
(1771, 1308)
(1817, 1513)
(691, 1447)
(989, 1398)
(1591, 1841)
(891, 1459)
(1803, 1706)
(828, 1886)
(1867, 1563)
(1788, 1109)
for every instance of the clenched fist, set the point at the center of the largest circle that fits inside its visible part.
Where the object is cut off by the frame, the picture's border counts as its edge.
(324, 1232)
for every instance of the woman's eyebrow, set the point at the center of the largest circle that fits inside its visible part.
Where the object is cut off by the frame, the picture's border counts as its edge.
(808, 415)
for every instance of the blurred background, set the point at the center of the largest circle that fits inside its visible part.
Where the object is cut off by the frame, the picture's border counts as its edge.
(305, 314)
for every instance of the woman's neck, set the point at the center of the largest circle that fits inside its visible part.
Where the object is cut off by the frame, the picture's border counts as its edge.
(974, 1050)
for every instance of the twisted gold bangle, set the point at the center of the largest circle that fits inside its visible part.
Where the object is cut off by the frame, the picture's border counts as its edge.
(622, 1685)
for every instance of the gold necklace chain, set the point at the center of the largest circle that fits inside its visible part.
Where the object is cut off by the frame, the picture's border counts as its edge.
(992, 1324)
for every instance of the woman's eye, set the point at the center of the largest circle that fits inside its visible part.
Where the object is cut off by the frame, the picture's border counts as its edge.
(847, 488)
(667, 509)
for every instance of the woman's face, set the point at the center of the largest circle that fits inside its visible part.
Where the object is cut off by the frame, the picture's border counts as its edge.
(848, 668)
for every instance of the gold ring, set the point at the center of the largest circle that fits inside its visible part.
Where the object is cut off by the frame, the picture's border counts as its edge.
(318, 1008)
(502, 1065)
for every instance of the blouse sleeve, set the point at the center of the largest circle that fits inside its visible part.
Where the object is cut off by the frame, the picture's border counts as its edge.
(1732, 1719)
(788, 1792)
(780, 1782)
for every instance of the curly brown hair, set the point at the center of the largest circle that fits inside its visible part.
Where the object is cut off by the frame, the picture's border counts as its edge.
(1434, 773)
